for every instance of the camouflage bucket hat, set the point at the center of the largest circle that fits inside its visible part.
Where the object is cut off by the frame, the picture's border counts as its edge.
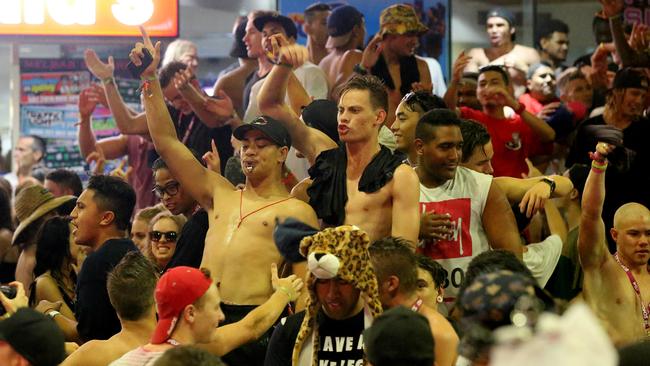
(400, 19)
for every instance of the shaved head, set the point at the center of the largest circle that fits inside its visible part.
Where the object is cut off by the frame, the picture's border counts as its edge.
(630, 212)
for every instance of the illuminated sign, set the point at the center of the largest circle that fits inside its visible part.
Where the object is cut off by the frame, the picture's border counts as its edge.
(88, 18)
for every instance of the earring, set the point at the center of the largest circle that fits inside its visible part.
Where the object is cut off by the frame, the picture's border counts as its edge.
(439, 299)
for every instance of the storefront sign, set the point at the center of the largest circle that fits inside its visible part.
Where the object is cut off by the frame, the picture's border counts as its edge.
(88, 18)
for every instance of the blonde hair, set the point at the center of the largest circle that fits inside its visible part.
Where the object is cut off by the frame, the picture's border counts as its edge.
(175, 50)
(179, 220)
(148, 213)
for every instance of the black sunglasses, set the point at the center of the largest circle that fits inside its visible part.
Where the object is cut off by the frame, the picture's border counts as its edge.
(170, 236)
(171, 189)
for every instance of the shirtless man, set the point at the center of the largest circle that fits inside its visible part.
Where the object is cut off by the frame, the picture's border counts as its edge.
(131, 286)
(615, 286)
(503, 50)
(383, 199)
(396, 269)
(239, 246)
(347, 30)
(390, 55)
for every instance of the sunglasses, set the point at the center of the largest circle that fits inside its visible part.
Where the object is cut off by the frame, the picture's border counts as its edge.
(171, 189)
(170, 236)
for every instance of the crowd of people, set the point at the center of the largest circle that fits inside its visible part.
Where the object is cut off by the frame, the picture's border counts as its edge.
(334, 204)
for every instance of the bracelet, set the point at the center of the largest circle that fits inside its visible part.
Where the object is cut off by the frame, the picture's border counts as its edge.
(108, 80)
(52, 314)
(148, 78)
(285, 290)
(598, 166)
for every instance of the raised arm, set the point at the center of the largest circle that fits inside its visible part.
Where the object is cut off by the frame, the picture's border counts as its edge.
(199, 181)
(451, 95)
(127, 121)
(185, 82)
(532, 193)
(270, 100)
(499, 222)
(544, 132)
(258, 321)
(112, 147)
(406, 198)
(613, 10)
(592, 243)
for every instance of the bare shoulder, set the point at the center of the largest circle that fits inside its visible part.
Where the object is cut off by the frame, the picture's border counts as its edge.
(351, 57)
(404, 174)
(299, 191)
(529, 53)
(90, 353)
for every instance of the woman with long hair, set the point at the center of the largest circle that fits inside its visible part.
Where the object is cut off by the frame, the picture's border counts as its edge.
(55, 276)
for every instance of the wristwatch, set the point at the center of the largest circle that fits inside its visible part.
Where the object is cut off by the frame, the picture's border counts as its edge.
(53, 313)
(550, 182)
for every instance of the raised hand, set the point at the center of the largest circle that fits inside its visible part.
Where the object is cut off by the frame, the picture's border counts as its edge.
(182, 79)
(371, 53)
(100, 94)
(98, 68)
(639, 38)
(88, 100)
(97, 156)
(136, 54)
(211, 159)
(221, 105)
(290, 286)
(119, 171)
(612, 7)
(602, 150)
(293, 55)
(459, 66)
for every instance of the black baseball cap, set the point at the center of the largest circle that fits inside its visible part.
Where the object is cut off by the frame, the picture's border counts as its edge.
(286, 23)
(34, 336)
(630, 78)
(340, 23)
(271, 127)
(322, 114)
(399, 336)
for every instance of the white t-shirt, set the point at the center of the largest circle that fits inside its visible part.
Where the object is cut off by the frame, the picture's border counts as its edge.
(463, 197)
(138, 357)
(541, 258)
(314, 80)
(438, 80)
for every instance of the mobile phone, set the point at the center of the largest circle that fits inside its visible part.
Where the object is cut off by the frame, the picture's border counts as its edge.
(136, 71)
(10, 293)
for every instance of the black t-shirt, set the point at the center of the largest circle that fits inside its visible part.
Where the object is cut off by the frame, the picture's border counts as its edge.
(200, 135)
(250, 81)
(620, 188)
(340, 340)
(190, 244)
(95, 315)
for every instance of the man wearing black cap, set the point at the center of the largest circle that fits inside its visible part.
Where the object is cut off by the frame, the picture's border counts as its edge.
(31, 339)
(347, 31)
(629, 180)
(315, 27)
(239, 244)
(503, 50)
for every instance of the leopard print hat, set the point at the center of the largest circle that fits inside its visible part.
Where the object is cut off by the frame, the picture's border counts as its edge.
(336, 252)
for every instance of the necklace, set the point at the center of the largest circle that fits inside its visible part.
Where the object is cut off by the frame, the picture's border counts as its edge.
(635, 285)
